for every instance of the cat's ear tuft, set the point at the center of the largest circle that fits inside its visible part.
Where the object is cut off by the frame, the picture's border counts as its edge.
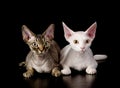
(67, 31)
(26, 33)
(49, 33)
(92, 30)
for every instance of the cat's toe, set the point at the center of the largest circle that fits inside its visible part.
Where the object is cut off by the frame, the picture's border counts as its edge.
(27, 74)
(91, 71)
(56, 72)
(65, 72)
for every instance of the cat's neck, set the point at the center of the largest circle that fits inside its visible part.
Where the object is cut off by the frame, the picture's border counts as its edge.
(39, 55)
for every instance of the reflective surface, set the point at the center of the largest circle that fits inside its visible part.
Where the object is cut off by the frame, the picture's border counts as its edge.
(77, 79)
(104, 43)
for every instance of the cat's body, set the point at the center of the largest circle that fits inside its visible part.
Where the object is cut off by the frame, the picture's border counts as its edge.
(43, 63)
(77, 54)
(44, 52)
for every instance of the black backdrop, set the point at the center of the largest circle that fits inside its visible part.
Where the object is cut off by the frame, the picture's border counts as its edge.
(39, 18)
(104, 42)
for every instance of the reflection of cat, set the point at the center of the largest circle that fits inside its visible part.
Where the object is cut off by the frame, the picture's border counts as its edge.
(79, 81)
(44, 54)
(77, 54)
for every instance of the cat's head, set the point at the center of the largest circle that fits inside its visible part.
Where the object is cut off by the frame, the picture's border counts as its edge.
(38, 43)
(80, 40)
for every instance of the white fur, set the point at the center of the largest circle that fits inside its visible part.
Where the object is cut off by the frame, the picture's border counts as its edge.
(77, 60)
(100, 57)
(79, 56)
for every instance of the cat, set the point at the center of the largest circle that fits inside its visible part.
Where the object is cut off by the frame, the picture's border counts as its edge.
(77, 54)
(44, 55)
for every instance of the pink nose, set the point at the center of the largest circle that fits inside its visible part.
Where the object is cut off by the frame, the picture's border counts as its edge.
(82, 47)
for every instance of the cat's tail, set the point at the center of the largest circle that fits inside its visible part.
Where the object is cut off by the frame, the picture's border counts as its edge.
(100, 57)
(22, 64)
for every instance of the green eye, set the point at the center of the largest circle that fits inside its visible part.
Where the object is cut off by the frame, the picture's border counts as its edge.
(76, 42)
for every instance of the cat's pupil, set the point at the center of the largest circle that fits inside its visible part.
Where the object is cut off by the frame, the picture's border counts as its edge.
(87, 41)
(76, 41)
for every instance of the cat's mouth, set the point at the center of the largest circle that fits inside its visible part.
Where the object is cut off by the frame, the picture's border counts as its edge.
(82, 50)
(40, 51)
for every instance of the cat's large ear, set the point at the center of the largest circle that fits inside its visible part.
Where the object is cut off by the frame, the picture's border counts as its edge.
(26, 33)
(49, 33)
(91, 30)
(67, 31)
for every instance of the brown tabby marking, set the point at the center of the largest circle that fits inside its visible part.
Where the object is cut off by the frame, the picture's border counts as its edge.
(44, 52)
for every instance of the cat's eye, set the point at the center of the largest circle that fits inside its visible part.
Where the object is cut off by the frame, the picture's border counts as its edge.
(76, 41)
(87, 41)
(34, 44)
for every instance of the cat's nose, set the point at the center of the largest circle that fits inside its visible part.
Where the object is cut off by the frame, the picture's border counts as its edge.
(41, 47)
(82, 48)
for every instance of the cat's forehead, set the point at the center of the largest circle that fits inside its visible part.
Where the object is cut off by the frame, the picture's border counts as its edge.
(79, 35)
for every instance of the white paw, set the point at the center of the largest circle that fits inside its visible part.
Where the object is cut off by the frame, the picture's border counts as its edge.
(91, 70)
(66, 71)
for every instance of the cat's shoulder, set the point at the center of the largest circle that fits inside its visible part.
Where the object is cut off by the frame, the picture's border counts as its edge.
(66, 48)
(54, 43)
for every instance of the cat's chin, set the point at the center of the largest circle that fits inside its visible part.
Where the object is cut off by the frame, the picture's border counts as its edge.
(38, 53)
(80, 51)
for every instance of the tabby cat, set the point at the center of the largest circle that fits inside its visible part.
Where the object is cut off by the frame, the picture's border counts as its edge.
(44, 52)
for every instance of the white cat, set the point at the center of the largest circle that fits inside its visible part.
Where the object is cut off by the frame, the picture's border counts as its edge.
(77, 54)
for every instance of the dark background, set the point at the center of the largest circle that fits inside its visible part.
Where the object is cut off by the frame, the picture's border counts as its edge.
(103, 44)
(38, 18)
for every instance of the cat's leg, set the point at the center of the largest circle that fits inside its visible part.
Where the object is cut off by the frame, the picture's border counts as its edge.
(91, 67)
(66, 70)
(78, 67)
(91, 70)
(29, 72)
(56, 71)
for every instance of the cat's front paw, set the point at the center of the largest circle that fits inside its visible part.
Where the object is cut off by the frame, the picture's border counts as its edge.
(28, 74)
(56, 72)
(66, 71)
(91, 70)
